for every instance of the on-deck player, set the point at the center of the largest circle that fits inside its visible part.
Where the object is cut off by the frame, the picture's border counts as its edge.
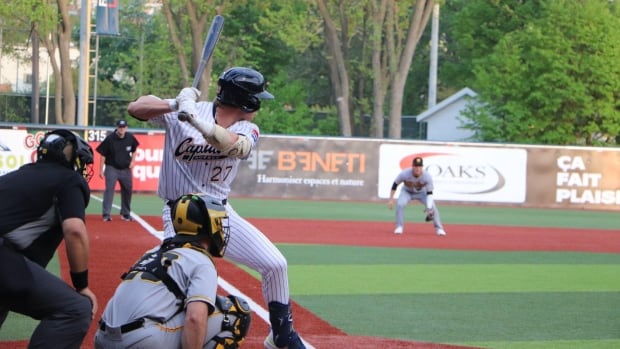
(417, 185)
(206, 161)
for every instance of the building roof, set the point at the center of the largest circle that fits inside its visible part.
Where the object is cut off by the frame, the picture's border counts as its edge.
(466, 92)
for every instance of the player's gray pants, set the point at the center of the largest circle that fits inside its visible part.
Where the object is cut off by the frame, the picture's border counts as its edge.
(249, 246)
(152, 336)
(125, 179)
(404, 198)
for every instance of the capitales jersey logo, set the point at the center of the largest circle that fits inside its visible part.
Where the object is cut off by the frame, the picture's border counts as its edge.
(188, 151)
(459, 174)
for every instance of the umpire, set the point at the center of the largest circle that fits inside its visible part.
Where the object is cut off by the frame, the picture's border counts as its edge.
(118, 151)
(44, 202)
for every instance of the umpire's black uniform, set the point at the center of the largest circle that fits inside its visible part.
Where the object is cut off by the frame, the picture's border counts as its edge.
(35, 200)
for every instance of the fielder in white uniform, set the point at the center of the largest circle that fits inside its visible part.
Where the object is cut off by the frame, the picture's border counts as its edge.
(168, 297)
(417, 185)
(202, 154)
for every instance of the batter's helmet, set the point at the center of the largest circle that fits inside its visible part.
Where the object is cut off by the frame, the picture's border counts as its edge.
(242, 88)
(197, 216)
(52, 148)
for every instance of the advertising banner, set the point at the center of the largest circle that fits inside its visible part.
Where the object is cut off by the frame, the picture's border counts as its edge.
(460, 173)
(17, 148)
(299, 167)
(149, 156)
(574, 177)
(107, 17)
(330, 168)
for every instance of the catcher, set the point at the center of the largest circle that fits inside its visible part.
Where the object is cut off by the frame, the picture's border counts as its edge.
(417, 185)
(168, 298)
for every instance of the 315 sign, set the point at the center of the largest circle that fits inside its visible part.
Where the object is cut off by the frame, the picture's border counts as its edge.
(96, 135)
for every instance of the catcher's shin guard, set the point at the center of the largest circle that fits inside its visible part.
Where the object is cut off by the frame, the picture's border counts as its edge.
(281, 320)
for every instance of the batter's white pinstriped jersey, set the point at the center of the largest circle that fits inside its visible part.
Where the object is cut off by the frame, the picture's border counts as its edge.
(415, 184)
(190, 164)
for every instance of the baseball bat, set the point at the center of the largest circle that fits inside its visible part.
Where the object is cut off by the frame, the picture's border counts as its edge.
(207, 51)
(208, 48)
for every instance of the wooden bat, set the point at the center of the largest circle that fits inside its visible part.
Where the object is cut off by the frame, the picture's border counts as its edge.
(207, 51)
(208, 48)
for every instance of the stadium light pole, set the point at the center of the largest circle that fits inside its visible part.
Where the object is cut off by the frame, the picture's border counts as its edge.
(432, 76)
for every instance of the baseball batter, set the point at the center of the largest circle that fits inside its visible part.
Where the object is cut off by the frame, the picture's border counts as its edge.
(202, 155)
(168, 297)
(417, 185)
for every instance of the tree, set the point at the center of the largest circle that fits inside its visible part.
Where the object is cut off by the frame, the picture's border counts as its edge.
(417, 22)
(369, 45)
(472, 28)
(63, 41)
(551, 81)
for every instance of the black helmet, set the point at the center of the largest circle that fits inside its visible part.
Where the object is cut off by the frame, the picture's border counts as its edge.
(52, 148)
(197, 216)
(242, 88)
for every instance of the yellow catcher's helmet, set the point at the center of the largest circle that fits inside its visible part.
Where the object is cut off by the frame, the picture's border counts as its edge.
(197, 216)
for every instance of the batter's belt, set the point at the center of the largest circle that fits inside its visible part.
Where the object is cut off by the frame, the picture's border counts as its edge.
(170, 202)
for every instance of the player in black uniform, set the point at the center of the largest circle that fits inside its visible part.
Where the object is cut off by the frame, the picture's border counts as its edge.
(42, 203)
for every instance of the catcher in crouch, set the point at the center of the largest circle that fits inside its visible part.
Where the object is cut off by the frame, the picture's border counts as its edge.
(417, 185)
(168, 297)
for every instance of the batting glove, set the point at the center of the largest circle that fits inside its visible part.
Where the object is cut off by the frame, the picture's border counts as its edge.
(188, 94)
(187, 108)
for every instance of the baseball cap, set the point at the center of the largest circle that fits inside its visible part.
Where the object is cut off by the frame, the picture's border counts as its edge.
(417, 161)
(121, 123)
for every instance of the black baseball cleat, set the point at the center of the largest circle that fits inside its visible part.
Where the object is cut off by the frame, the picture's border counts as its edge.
(107, 218)
(126, 218)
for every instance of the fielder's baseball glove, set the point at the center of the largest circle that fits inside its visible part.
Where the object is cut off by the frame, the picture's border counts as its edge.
(430, 215)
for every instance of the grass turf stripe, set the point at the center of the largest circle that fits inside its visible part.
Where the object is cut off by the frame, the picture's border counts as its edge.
(332, 255)
(377, 279)
(150, 204)
(581, 344)
(475, 318)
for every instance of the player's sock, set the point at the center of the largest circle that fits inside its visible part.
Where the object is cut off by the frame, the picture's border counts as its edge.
(281, 321)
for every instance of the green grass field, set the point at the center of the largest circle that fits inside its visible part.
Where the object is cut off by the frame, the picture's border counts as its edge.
(509, 300)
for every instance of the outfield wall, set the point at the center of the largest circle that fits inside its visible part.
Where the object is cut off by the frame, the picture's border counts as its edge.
(362, 169)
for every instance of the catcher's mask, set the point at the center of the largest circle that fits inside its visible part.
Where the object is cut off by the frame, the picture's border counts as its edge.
(80, 158)
(242, 88)
(196, 216)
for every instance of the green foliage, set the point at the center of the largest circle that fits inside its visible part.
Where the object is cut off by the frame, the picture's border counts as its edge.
(14, 108)
(472, 28)
(140, 60)
(289, 114)
(550, 81)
